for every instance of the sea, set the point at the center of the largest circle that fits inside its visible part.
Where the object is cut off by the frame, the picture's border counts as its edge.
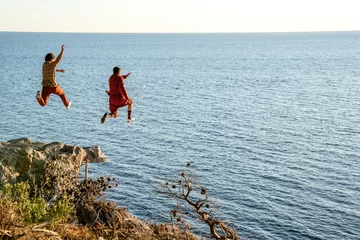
(269, 122)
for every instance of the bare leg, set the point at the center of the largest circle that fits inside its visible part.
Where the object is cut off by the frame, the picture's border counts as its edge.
(114, 114)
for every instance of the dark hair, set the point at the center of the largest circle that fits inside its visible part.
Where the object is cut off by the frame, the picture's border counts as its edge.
(49, 57)
(116, 70)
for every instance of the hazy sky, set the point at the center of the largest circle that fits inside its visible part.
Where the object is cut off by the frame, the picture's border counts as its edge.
(179, 16)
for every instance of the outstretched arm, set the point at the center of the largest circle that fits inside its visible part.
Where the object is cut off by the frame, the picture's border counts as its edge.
(58, 59)
(60, 70)
(125, 76)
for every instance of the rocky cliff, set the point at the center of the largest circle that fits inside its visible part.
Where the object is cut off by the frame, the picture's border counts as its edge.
(21, 159)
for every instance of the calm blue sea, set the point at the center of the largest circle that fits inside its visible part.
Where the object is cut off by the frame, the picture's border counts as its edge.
(269, 121)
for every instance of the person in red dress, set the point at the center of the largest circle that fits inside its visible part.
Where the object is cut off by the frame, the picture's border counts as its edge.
(118, 96)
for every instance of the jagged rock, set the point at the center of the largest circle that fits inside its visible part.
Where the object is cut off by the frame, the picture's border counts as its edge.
(22, 158)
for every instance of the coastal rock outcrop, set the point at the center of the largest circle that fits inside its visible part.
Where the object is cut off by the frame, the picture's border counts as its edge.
(21, 159)
(52, 166)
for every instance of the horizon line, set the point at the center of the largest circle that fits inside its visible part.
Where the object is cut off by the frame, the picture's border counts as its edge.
(260, 32)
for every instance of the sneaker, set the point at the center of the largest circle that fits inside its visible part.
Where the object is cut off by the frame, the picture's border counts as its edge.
(131, 120)
(104, 118)
(38, 95)
(68, 106)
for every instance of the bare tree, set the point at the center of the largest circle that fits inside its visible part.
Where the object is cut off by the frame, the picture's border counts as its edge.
(193, 201)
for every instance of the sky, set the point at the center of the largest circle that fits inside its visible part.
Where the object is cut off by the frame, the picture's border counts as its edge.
(179, 16)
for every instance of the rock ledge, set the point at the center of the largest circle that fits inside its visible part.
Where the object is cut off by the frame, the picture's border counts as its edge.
(21, 159)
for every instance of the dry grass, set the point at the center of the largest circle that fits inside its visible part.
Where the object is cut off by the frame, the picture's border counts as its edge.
(164, 232)
(75, 232)
(8, 215)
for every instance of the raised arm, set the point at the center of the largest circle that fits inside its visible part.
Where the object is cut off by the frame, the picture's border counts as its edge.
(59, 57)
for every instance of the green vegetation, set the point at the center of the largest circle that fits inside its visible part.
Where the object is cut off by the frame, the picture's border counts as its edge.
(33, 209)
(60, 206)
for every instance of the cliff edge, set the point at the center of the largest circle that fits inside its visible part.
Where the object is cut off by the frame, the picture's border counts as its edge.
(21, 159)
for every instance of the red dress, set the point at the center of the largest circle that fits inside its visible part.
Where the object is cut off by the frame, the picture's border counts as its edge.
(118, 94)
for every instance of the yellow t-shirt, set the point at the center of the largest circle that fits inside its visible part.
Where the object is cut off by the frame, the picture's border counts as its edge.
(49, 74)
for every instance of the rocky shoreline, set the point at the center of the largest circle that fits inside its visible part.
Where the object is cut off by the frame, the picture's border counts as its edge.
(51, 170)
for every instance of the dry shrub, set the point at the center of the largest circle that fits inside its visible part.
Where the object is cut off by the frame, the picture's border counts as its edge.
(110, 221)
(75, 232)
(8, 215)
(22, 233)
(165, 231)
(194, 203)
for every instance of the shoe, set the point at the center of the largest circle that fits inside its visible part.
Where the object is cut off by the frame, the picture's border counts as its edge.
(131, 120)
(104, 118)
(68, 106)
(38, 95)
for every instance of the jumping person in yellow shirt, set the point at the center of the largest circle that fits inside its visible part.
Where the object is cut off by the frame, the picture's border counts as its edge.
(49, 84)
